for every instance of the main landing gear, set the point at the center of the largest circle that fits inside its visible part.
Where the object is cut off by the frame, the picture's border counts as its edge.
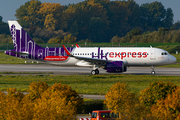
(152, 70)
(95, 72)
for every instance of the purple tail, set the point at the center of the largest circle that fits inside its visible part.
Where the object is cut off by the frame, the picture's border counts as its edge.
(21, 40)
(25, 47)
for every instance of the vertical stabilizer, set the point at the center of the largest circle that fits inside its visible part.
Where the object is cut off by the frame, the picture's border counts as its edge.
(21, 40)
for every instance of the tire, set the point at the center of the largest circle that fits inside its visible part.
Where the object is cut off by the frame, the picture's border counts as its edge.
(153, 73)
(93, 72)
(97, 71)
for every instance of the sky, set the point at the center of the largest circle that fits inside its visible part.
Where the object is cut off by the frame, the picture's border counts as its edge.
(8, 7)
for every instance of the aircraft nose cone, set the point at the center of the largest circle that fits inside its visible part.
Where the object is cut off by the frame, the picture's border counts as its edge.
(173, 59)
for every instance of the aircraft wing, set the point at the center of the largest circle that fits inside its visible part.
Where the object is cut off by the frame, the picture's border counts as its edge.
(90, 60)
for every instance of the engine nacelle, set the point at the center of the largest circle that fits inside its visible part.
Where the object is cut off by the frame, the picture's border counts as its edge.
(115, 66)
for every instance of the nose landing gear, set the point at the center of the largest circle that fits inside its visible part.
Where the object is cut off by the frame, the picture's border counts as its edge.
(152, 70)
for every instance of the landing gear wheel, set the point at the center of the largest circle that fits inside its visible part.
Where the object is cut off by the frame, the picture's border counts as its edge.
(97, 71)
(153, 72)
(93, 72)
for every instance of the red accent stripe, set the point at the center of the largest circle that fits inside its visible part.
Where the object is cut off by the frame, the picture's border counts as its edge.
(77, 45)
(56, 58)
(66, 50)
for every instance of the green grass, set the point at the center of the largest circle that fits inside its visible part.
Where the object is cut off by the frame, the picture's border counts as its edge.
(177, 57)
(176, 65)
(6, 59)
(85, 84)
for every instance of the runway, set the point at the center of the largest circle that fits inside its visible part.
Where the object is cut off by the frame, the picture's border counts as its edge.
(83, 71)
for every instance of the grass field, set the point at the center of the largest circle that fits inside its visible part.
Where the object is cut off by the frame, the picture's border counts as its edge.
(85, 84)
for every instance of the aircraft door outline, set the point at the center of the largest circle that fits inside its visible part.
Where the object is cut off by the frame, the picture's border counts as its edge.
(152, 54)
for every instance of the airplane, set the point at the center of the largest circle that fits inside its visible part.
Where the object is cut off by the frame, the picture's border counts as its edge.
(112, 59)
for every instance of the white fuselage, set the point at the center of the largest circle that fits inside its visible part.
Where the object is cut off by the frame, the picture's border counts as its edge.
(131, 56)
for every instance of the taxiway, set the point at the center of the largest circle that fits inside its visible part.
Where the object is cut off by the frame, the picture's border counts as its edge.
(84, 71)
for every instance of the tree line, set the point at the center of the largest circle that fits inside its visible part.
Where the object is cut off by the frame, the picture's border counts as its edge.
(157, 102)
(160, 100)
(91, 20)
(163, 35)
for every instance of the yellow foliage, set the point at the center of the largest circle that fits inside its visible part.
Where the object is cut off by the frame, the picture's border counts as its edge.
(64, 91)
(50, 8)
(69, 39)
(55, 40)
(32, 11)
(49, 12)
(156, 91)
(50, 22)
(168, 108)
(58, 102)
(54, 107)
(120, 100)
(36, 89)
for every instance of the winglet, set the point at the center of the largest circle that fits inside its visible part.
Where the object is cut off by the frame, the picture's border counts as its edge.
(66, 50)
(77, 45)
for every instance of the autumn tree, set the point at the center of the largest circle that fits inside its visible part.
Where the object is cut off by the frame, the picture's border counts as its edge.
(168, 108)
(98, 20)
(116, 39)
(56, 40)
(27, 14)
(58, 102)
(36, 89)
(156, 90)
(15, 106)
(65, 91)
(50, 14)
(42, 103)
(120, 100)
(69, 39)
(47, 34)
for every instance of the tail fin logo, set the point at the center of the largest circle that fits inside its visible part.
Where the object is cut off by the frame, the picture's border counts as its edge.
(13, 34)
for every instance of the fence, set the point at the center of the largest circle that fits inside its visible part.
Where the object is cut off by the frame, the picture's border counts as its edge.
(8, 46)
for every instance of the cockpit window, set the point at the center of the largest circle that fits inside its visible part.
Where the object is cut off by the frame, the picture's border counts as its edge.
(164, 53)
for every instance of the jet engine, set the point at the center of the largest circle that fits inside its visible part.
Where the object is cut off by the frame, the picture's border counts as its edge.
(116, 66)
